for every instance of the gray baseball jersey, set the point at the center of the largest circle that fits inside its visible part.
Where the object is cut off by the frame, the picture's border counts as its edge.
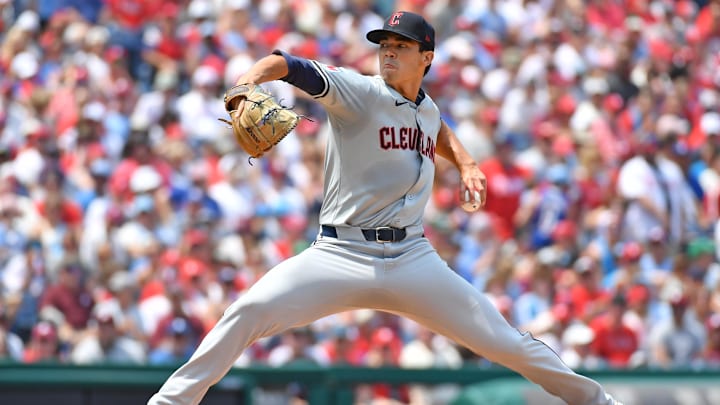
(380, 159)
(379, 173)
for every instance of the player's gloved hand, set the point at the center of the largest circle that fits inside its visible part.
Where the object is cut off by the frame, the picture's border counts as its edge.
(473, 190)
(257, 120)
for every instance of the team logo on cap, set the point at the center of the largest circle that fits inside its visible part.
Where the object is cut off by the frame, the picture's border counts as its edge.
(395, 19)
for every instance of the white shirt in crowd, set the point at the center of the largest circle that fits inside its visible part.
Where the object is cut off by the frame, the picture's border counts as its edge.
(638, 179)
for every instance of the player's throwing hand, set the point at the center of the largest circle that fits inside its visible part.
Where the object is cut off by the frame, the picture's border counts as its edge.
(473, 191)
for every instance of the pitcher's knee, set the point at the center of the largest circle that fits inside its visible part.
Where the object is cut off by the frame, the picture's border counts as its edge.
(509, 349)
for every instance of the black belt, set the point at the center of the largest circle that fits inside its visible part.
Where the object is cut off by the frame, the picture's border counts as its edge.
(383, 234)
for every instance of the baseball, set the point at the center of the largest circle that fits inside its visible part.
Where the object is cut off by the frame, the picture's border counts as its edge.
(471, 205)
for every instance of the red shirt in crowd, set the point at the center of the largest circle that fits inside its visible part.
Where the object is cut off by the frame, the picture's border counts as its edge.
(120, 179)
(706, 22)
(614, 344)
(697, 137)
(584, 300)
(606, 15)
(505, 186)
(75, 305)
(70, 212)
(63, 110)
(133, 14)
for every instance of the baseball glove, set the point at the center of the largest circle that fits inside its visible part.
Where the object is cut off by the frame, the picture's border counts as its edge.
(257, 120)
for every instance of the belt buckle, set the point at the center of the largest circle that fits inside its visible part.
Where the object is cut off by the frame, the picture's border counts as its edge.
(384, 230)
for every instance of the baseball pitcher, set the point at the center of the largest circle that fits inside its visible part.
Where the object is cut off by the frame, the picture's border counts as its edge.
(370, 250)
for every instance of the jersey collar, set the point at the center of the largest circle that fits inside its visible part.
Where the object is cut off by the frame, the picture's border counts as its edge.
(420, 97)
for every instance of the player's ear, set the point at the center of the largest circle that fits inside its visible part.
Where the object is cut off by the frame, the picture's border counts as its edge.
(428, 57)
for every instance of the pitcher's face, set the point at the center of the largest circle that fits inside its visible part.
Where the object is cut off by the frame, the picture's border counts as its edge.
(401, 59)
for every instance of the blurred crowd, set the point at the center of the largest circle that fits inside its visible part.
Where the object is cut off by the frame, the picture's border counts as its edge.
(129, 219)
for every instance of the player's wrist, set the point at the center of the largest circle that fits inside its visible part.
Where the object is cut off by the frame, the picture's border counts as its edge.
(467, 165)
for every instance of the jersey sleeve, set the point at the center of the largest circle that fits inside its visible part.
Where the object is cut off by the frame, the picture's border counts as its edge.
(341, 91)
(347, 90)
(302, 74)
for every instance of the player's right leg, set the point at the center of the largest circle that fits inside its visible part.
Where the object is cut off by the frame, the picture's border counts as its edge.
(322, 280)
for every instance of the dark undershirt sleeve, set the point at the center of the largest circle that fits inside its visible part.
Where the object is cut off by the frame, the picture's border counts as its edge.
(302, 74)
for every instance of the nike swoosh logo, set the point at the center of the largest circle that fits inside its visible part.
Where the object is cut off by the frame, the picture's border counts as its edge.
(399, 103)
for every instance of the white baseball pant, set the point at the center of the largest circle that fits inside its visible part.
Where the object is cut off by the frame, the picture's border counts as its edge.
(407, 278)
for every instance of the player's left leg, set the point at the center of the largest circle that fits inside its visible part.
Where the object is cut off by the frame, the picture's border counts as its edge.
(426, 290)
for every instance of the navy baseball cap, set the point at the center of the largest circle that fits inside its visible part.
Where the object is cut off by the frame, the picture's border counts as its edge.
(408, 25)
